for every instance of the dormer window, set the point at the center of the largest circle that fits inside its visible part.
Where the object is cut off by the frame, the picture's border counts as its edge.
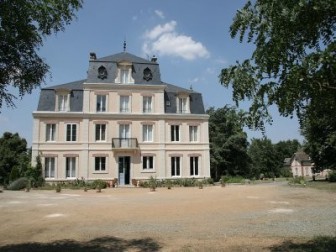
(63, 101)
(102, 73)
(147, 74)
(183, 104)
(124, 75)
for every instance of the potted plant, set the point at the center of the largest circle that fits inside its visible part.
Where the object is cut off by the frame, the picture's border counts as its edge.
(28, 187)
(58, 188)
(223, 181)
(169, 184)
(200, 184)
(152, 183)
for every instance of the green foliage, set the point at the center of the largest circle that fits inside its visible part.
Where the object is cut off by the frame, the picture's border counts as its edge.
(297, 181)
(98, 183)
(14, 155)
(332, 176)
(24, 25)
(263, 156)
(35, 173)
(293, 67)
(228, 143)
(230, 179)
(18, 184)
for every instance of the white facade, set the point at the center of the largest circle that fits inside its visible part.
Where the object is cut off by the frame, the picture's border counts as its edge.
(122, 132)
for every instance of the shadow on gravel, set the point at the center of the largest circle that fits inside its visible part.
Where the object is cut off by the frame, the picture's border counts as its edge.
(107, 243)
(318, 244)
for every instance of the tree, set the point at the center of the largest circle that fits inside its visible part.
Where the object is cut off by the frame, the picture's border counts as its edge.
(320, 134)
(264, 158)
(23, 25)
(294, 62)
(13, 155)
(228, 143)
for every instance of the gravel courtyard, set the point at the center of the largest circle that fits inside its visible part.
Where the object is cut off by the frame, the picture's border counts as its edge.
(260, 217)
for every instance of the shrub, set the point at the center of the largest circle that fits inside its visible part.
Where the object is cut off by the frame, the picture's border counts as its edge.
(298, 180)
(332, 176)
(18, 184)
(98, 183)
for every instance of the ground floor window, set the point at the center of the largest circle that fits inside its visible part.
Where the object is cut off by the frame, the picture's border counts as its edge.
(148, 162)
(49, 167)
(175, 166)
(194, 166)
(100, 163)
(70, 166)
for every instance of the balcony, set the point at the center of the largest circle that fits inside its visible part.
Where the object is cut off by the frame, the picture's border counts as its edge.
(125, 144)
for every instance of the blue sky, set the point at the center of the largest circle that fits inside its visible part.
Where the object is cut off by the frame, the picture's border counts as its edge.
(190, 38)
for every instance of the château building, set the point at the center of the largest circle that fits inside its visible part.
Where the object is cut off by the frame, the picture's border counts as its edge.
(121, 123)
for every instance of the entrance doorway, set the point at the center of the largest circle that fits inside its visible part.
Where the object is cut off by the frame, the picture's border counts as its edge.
(124, 170)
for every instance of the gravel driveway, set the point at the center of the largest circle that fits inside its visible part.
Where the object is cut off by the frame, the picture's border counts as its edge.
(234, 218)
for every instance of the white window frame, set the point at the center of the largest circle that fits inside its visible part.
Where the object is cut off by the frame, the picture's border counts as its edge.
(194, 164)
(147, 133)
(193, 133)
(175, 166)
(147, 104)
(182, 104)
(148, 163)
(101, 103)
(175, 135)
(49, 167)
(72, 136)
(63, 102)
(102, 166)
(125, 104)
(100, 132)
(70, 167)
(50, 132)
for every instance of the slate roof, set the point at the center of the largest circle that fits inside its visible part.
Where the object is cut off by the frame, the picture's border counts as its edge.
(302, 157)
(125, 56)
(48, 95)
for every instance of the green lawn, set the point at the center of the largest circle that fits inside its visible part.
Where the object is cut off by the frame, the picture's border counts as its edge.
(322, 185)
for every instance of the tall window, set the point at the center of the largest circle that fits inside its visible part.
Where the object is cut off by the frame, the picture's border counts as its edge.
(124, 75)
(63, 103)
(194, 166)
(70, 166)
(124, 104)
(175, 133)
(100, 163)
(147, 133)
(49, 167)
(50, 132)
(182, 105)
(147, 104)
(175, 166)
(148, 162)
(100, 132)
(193, 133)
(71, 132)
(101, 103)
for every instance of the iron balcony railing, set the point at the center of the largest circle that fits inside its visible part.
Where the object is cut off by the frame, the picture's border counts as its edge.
(125, 143)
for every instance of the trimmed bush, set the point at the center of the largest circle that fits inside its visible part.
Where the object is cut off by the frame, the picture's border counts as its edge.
(18, 184)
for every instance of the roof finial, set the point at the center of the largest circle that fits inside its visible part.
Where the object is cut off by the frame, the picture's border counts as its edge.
(125, 45)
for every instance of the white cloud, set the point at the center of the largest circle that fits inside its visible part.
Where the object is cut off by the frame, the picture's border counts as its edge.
(159, 14)
(160, 29)
(164, 40)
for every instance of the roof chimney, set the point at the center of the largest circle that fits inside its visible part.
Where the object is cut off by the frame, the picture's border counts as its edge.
(93, 56)
(154, 59)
